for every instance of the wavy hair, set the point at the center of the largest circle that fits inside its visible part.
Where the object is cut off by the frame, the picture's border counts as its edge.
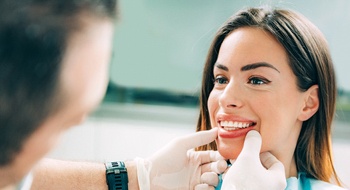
(311, 63)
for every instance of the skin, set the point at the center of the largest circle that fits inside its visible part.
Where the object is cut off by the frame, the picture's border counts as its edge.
(264, 95)
(83, 82)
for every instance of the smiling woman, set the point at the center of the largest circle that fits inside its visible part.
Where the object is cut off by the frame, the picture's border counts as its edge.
(265, 85)
(270, 70)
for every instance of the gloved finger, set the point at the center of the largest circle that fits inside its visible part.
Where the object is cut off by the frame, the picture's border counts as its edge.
(206, 156)
(232, 161)
(218, 167)
(210, 178)
(198, 139)
(252, 145)
(270, 162)
(204, 187)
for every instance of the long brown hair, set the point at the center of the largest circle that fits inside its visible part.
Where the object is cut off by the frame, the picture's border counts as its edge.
(311, 63)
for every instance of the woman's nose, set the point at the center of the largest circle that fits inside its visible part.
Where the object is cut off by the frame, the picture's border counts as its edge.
(231, 96)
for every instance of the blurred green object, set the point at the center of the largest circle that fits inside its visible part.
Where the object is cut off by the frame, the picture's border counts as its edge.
(343, 107)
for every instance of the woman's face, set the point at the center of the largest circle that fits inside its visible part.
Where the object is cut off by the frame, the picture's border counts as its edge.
(255, 89)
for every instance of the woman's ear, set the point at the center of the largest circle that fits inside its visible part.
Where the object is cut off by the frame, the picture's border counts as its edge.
(311, 103)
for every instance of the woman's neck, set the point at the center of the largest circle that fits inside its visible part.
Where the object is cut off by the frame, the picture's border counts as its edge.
(292, 170)
(285, 153)
(286, 156)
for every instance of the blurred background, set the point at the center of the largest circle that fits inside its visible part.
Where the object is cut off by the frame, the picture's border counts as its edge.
(155, 76)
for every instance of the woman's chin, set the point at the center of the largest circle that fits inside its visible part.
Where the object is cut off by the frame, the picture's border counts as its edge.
(229, 150)
(229, 153)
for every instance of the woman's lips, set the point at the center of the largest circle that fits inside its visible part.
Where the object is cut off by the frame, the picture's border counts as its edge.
(234, 129)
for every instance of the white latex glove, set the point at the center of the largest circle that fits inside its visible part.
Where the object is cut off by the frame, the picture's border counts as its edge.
(175, 166)
(252, 172)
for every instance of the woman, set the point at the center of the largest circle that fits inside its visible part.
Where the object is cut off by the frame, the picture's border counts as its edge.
(271, 71)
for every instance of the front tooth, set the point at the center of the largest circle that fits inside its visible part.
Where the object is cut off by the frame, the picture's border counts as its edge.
(223, 123)
(230, 123)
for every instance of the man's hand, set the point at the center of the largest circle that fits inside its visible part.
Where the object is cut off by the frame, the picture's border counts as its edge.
(250, 171)
(175, 166)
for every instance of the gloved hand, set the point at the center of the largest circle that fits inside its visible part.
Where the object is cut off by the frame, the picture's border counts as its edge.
(175, 166)
(251, 172)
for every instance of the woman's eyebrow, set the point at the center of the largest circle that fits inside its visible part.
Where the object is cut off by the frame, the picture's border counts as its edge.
(257, 65)
(220, 66)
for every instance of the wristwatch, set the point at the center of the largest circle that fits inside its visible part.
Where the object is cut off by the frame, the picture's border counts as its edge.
(117, 176)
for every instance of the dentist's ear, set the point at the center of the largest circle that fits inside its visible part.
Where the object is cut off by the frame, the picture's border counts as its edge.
(311, 103)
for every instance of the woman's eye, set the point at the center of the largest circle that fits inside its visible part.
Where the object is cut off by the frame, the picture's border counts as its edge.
(220, 80)
(258, 81)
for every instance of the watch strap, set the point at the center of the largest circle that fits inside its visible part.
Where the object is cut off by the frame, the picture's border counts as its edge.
(116, 176)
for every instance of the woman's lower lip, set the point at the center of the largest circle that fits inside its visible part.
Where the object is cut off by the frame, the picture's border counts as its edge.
(234, 133)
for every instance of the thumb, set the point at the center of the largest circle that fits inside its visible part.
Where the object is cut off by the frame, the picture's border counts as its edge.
(270, 162)
(199, 138)
(252, 144)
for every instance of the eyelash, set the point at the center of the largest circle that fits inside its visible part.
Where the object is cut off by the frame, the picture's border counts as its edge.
(217, 80)
(256, 81)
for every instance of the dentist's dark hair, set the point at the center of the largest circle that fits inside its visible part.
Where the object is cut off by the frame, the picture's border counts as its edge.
(311, 63)
(33, 40)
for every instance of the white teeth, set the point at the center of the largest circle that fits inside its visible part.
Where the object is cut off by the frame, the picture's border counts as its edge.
(230, 125)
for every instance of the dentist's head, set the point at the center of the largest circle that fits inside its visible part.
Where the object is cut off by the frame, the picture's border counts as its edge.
(54, 57)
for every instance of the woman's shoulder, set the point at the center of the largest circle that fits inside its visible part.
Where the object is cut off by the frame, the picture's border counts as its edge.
(305, 183)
